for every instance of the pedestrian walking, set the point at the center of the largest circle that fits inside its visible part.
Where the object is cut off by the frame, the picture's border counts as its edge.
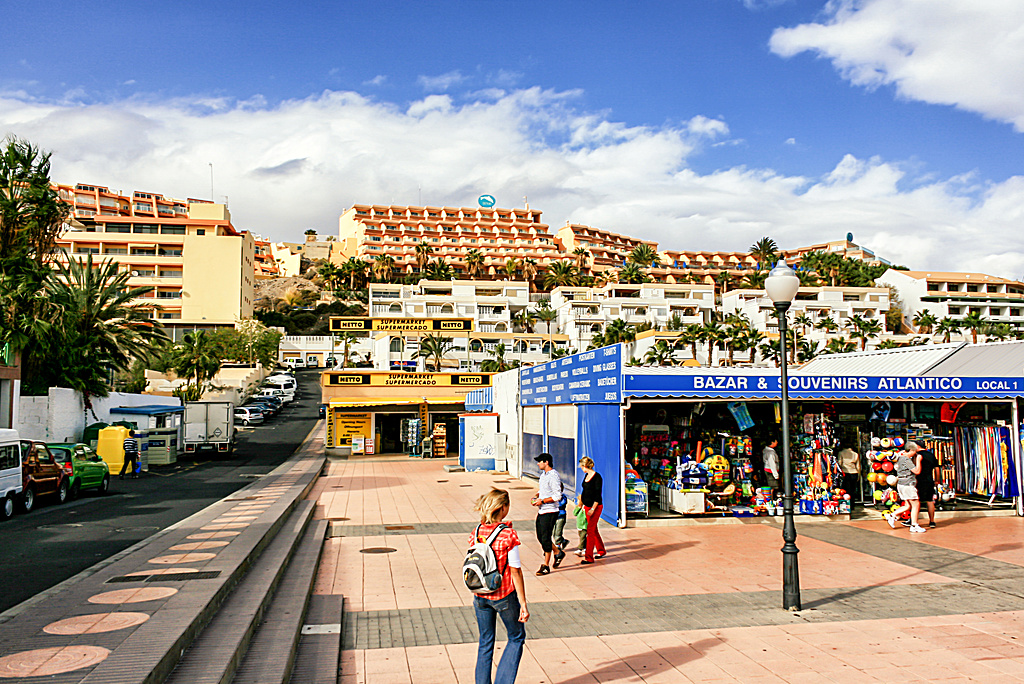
(581, 527)
(557, 537)
(925, 484)
(849, 463)
(546, 501)
(509, 601)
(131, 455)
(771, 465)
(593, 504)
(908, 466)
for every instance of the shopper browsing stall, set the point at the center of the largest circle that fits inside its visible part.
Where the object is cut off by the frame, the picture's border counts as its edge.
(592, 505)
(546, 500)
(926, 482)
(771, 464)
(849, 463)
(908, 466)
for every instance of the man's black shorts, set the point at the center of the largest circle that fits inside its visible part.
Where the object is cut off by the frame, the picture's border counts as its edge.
(545, 528)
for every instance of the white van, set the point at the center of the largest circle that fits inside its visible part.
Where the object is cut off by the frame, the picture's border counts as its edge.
(295, 362)
(10, 471)
(280, 394)
(285, 384)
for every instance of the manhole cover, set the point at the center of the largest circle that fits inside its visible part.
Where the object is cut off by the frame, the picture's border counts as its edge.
(378, 549)
(399, 527)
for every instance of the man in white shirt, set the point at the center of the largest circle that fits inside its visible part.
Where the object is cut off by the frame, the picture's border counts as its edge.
(546, 500)
(771, 465)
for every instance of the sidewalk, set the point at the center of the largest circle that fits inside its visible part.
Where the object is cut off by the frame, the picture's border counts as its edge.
(680, 604)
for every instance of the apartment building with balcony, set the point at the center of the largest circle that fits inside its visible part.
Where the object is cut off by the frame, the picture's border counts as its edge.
(817, 303)
(394, 351)
(368, 231)
(491, 304)
(957, 295)
(608, 250)
(846, 248)
(265, 263)
(584, 311)
(202, 268)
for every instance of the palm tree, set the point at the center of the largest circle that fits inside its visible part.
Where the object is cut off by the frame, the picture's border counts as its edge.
(559, 274)
(498, 363)
(632, 274)
(925, 321)
(751, 340)
(423, 253)
(355, 270)
(765, 251)
(511, 267)
(660, 354)
(434, 346)
(839, 345)
(94, 327)
(725, 280)
(754, 280)
(529, 265)
(691, 335)
(195, 359)
(974, 322)
(545, 314)
(946, 327)
(997, 331)
(712, 333)
(644, 256)
(345, 339)
(582, 255)
(828, 324)
(804, 322)
(806, 350)
(618, 331)
(329, 274)
(474, 263)
(525, 319)
(609, 275)
(383, 267)
(439, 269)
(864, 329)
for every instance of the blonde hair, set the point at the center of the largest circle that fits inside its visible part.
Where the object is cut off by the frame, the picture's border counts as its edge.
(587, 462)
(490, 504)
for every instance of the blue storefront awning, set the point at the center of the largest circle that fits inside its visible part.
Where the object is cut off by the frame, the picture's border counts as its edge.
(480, 400)
(713, 384)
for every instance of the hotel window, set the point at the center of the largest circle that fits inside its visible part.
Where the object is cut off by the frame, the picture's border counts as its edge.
(1015, 312)
(145, 228)
(201, 231)
(172, 230)
(431, 214)
(375, 238)
(118, 228)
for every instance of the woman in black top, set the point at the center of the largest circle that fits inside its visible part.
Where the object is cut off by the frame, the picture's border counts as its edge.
(592, 502)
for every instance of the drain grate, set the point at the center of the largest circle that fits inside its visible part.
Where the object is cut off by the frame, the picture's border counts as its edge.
(520, 487)
(179, 577)
(378, 549)
(336, 519)
(247, 498)
(399, 527)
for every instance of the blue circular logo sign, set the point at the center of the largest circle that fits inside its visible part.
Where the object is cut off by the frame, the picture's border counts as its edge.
(486, 201)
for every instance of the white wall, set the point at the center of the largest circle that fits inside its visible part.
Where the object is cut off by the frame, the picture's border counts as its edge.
(506, 405)
(60, 416)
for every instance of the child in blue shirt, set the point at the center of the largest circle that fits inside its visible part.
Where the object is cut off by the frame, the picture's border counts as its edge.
(557, 539)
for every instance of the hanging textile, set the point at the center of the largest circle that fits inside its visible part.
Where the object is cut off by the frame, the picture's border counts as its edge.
(983, 461)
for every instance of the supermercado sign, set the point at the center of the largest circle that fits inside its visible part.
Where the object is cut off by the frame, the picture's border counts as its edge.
(591, 377)
(362, 323)
(819, 386)
(343, 379)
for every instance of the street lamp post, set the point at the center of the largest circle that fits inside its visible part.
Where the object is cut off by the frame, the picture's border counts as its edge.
(782, 285)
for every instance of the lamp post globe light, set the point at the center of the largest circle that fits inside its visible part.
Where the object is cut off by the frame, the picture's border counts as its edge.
(782, 285)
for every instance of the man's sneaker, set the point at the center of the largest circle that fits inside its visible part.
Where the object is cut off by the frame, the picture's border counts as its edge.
(559, 557)
(917, 528)
(579, 552)
(931, 525)
(891, 519)
(905, 523)
(562, 544)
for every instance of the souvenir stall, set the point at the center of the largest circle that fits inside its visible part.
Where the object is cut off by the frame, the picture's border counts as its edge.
(689, 441)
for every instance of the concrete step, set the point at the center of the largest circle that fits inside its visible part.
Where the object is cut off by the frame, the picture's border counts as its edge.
(318, 656)
(216, 653)
(271, 653)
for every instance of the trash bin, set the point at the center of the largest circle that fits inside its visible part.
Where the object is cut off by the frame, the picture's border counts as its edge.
(110, 446)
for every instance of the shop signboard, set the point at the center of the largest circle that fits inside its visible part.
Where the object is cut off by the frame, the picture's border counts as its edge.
(352, 425)
(764, 386)
(590, 377)
(424, 325)
(386, 379)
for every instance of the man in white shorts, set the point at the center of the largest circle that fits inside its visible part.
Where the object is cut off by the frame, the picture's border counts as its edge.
(908, 467)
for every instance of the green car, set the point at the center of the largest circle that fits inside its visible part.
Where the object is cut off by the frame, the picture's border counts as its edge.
(84, 467)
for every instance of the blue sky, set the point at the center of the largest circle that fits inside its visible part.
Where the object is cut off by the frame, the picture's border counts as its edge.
(703, 123)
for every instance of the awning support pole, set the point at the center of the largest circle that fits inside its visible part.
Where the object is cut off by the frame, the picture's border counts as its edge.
(1016, 451)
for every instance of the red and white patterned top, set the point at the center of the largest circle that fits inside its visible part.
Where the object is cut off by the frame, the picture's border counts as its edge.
(505, 542)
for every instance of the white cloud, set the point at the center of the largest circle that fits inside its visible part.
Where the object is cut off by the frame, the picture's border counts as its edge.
(442, 82)
(300, 163)
(790, 141)
(951, 52)
(377, 80)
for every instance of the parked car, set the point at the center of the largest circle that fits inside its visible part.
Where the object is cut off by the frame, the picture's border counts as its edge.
(276, 402)
(267, 410)
(280, 394)
(249, 415)
(323, 410)
(40, 475)
(272, 406)
(295, 362)
(10, 472)
(83, 466)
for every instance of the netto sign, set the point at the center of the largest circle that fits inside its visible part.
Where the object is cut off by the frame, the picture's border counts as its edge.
(360, 323)
(409, 379)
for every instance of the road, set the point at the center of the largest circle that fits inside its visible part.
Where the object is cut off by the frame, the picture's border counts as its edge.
(55, 542)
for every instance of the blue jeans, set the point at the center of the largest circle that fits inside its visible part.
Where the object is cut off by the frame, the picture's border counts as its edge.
(486, 611)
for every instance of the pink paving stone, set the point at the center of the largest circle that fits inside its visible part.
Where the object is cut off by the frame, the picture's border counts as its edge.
(225, 526)
(173, 558)
(43, 662)
(95, 623)
(196, 546)
(161, 571)
(213, 535)
(136, 595)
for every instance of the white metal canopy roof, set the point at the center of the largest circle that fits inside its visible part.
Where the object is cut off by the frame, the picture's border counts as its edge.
(905, 361)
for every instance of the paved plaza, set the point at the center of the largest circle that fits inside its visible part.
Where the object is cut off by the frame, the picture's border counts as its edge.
(698, 602)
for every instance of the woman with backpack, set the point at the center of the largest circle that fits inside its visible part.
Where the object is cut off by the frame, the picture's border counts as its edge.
(493, 571)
